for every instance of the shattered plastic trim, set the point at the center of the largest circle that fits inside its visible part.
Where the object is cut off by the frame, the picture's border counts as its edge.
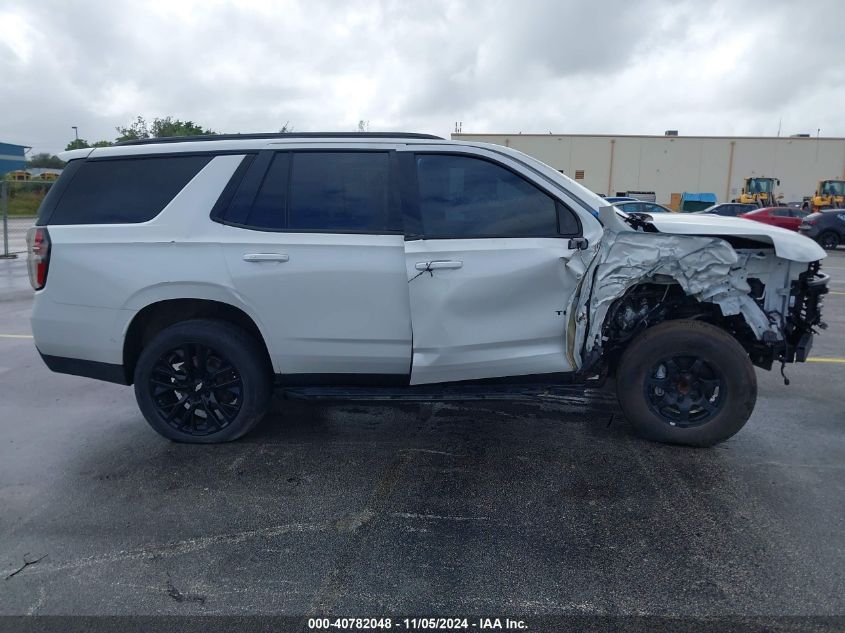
(706, 268)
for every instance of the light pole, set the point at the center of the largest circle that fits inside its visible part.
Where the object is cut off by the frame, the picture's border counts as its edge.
(75, 131)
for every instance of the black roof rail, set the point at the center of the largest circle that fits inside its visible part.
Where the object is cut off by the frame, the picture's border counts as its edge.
(280, 135)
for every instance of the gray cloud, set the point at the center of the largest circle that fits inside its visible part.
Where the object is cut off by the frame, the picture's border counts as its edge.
(533, 66)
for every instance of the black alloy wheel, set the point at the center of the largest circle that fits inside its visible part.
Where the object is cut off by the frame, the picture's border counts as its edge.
(685, 391)
(196, 390)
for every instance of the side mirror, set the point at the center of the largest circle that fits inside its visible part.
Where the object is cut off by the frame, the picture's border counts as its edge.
(578, 243)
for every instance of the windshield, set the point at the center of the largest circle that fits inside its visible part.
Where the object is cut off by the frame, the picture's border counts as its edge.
(760, 185)
(833, 188)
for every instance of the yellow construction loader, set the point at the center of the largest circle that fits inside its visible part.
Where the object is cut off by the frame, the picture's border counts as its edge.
(830, 194)
(759, 191)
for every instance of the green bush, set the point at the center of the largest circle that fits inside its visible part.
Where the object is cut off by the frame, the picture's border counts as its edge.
(25, 202)
(25, 197)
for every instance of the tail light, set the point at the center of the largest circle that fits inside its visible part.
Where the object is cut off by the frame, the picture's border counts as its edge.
(38, 257)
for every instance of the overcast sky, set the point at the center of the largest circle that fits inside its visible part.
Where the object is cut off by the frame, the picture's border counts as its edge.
(616, 67)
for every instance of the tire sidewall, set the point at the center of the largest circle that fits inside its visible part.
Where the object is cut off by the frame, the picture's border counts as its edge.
(238, 347)
(832, 234)
(687, 338)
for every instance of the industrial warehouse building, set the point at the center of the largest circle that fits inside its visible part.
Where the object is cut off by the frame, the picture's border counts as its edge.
(12, 157)
(671, 164)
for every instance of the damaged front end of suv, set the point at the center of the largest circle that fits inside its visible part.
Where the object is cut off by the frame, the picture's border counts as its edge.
(640, 277)
(761, 286)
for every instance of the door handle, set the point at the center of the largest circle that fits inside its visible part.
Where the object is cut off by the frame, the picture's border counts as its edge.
(438, 265)
(265, 257)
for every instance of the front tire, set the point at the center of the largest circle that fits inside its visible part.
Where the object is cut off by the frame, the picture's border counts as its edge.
(203, 382)
(829, 240)
(686, 382)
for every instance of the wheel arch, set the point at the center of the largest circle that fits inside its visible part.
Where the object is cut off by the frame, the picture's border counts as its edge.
(706, 278)
(156, 316)
(646, 304)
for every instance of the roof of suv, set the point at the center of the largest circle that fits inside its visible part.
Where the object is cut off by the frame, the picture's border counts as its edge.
(235, 142)
(279, 135)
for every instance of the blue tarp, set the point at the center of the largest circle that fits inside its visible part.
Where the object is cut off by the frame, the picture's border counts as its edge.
(698, 197)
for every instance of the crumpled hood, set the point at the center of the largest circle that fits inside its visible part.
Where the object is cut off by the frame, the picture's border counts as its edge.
(788, 244)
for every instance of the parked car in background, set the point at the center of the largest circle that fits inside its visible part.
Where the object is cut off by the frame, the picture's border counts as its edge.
(729, 209)
(784, 217)
(826, 227)
(642, 207)
(620, 199)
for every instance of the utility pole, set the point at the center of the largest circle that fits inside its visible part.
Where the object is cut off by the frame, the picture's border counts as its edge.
(75, 131)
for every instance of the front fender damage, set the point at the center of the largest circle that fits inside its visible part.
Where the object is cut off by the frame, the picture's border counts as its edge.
(706, 268)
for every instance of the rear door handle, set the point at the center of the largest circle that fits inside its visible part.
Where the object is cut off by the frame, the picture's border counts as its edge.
(438, 265)
(265, 257)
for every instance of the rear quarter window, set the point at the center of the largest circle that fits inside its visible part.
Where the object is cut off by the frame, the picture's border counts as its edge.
(119, 191)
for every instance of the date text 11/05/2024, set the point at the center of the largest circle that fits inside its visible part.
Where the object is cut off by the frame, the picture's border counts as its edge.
(430, 624)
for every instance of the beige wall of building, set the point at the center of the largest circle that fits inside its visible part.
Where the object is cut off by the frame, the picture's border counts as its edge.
(674, 164)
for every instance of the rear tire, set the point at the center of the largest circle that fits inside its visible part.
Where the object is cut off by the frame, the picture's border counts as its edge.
(686, 382)
(203, 382)
(829, 240)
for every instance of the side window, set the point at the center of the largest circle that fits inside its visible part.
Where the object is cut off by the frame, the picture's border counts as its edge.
(630, 207)
(461, 196)
(124, 190)
(780, 213)
(268, 208)
(341, 191)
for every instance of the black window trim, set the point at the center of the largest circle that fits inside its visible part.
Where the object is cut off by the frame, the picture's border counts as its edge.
(263, 165)
(411, 208)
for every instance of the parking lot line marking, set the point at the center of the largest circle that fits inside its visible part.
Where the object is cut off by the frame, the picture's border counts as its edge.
(15, 335)
(832, 292)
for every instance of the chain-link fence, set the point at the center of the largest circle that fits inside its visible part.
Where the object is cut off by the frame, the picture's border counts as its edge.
(19, 202)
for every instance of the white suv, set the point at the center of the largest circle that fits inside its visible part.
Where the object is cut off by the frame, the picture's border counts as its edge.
(204, 270)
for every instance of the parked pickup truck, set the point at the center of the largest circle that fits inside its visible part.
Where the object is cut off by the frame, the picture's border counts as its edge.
(207, 271)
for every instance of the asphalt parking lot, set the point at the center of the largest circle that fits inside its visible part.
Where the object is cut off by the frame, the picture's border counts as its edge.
(544, 507)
